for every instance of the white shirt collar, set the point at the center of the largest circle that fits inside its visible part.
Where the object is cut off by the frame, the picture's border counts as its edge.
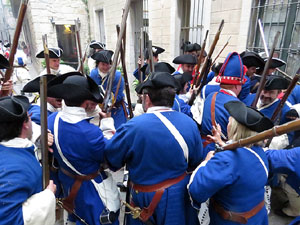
(17, 143)
(259, 103)
(73, 114)
(102, 75)
(49, 106)
(158, 108)
(229, 91)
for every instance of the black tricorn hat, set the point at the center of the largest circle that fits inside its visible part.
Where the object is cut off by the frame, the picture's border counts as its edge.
(74, 87)
(155, 50)
(159, 67)
(183, 78)
(192, 47)
(247, 116)
(252, 59)
(157, 80)
(275, 82)
(276, 62)
(54, 53)
(216, 68)
(97, 45)
(185, 59)
(103, 56)
(4, 64)
(34, 85)
(13, 108)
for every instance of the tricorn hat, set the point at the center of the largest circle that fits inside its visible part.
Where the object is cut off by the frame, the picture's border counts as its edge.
(247, 116)
(185, 59)
(155, 50)
(158, 67)
(74, 87)
(4, 64)
(103, 56)
(34, 85)
(13, 108)
(183, 78)
(157, 80)
(275, 82)
(97, 45)
(251, 59)
(54, 53)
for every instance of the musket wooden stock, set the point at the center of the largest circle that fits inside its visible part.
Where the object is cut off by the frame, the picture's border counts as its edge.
(77, 32)
(220, 52)
(125, 79)
(150, 53)
(275, 131)
(44, 131)
(286, 95)
(115, 58)
(206, 62)
(13, 50)
(46, 53)
(264, 74)
(141, 55)
(198, 78)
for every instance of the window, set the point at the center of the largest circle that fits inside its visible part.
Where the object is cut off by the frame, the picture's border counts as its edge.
(191, 21)
(67, 42)
(100, 17)
(277, 15)
(141, 21)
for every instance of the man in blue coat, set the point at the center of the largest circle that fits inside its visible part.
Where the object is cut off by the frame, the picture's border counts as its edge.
(101, 76)
(159, 148)
(231, 79)
(79, 149)
(22, 200)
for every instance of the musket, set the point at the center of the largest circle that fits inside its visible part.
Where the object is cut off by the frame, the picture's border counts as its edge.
(197, 81)
(107, 96)
(46, 53)
(141, 55)
(84, 57)
(275, 131)
(286, 75)
(150, 52)
(125, 78)
(220, 52)
(13, 50)
(264, 74)
(77, 32)
(286, 95)
(207, 63)
(44, 131)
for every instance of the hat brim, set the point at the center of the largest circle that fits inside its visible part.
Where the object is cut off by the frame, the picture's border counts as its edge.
(34, 85)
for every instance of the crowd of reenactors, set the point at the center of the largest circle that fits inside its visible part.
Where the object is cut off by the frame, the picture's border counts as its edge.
(206, 143)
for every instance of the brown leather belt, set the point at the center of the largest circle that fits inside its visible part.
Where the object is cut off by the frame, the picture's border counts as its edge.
(68, 202)
(207, 141)
(234, 216)
(159, 189)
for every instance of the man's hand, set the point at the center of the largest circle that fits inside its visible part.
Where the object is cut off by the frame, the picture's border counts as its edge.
(103, 115)
(51, 186)
(7, 86)
(50, 141)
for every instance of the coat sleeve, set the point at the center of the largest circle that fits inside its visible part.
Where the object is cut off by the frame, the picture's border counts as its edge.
(284, 161)
(39, 209)
(207, 179)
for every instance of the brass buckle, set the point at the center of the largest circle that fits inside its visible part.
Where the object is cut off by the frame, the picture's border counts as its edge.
(134, 211)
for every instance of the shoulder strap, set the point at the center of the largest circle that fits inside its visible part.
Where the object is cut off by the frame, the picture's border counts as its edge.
(175, 133)
(260, 160)
(212, 110)
(58, 146)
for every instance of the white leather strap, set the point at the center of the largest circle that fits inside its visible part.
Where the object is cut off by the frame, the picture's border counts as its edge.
(260, 159)
(58, 146)
(175, 133)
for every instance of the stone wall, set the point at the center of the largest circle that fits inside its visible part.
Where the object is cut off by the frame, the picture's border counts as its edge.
(40, 13)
